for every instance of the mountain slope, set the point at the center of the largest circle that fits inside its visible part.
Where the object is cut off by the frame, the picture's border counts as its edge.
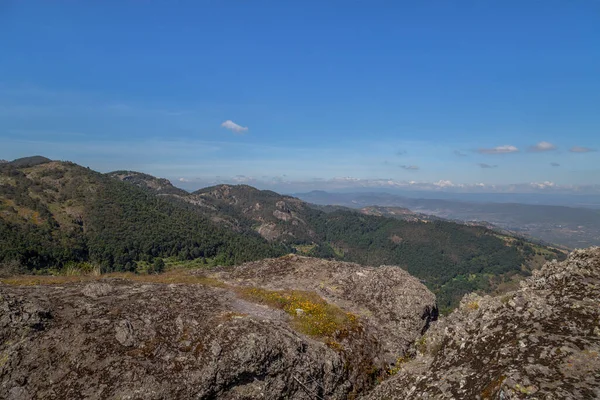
(452, 259)
(145, 181)
(56, 213)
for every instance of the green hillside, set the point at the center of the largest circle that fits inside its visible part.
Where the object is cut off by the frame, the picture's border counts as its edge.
(57, 213)
(451, 258)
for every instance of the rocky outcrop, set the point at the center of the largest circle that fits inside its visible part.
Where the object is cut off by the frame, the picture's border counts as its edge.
(157, 185)
(135, 339)
(396, 307)
(209, 336)
(540, 342)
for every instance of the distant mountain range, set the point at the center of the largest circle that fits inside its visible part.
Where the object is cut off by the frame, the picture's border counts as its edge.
(56, 215)
(568, 227)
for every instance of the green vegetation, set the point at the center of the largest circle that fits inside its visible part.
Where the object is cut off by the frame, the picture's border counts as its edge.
(58, 217)
(451, 259)
(58, 214)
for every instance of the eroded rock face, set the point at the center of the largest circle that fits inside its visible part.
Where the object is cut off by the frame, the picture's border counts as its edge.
(116, 338)
(542, 341)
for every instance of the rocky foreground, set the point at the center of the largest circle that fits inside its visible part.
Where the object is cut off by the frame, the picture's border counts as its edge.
(230, 335)
(301, 328)
(540, 342)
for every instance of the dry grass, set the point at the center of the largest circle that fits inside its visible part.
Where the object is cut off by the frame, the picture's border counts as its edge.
(316, 318)
(175, 276)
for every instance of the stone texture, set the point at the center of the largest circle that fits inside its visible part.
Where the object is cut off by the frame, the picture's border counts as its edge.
(395, 306)
(539, 342)
(118, 339)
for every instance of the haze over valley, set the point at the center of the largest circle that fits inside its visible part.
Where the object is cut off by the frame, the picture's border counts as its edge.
(570, 227)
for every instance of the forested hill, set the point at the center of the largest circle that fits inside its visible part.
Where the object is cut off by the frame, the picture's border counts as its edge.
(58, 214)
(55, 214)
(452, 259)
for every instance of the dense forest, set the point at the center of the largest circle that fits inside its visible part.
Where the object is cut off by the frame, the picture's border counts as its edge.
(56, 214)
(450, 258)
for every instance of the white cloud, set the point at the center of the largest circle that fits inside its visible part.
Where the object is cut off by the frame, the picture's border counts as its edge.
(345, 179)
(410, 167)
(499, 150)
(183, 180)
(290, 185)
(444, 184)
(232, 126)
(580, 149)
(542, 185)
(542, 146)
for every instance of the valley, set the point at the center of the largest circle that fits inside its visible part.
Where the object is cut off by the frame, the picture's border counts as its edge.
(563, 226)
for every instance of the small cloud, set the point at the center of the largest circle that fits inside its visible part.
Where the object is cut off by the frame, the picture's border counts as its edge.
(580, 149)
(484, 165)
(459, 153)
(400, 153)
(410, 167)
(555, 164)
(542, 185)
(183, 180)
(232, 126)
(499, 150)
(444, 183)
(542, 146)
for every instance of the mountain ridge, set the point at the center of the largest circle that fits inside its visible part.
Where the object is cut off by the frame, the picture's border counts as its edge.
(344, 234)
(58, 214)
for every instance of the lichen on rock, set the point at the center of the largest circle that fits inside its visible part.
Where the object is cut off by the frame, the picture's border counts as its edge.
(536, 342)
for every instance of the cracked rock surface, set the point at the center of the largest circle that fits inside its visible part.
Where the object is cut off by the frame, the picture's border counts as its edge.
(539, 342)
(121, 339)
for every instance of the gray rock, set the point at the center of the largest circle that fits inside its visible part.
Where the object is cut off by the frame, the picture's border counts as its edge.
(396, 307)
(123, 339)
(124, 333)
(537, 342)
(96, 289)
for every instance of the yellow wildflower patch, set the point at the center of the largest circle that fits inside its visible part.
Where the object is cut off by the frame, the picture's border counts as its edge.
(311, 314)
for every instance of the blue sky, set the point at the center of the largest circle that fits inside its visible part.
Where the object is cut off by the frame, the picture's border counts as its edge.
(331, 94)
